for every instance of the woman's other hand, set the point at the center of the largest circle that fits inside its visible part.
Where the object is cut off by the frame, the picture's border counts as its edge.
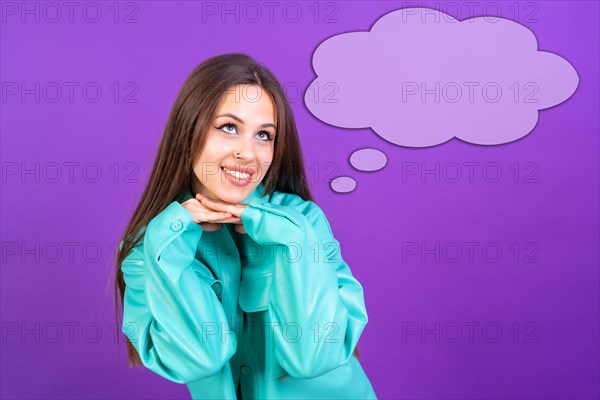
(210, 220)
(235, 210)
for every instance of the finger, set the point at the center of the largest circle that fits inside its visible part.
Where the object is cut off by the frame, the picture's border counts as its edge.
(209, 203)
(201, 197)
(216, 216)
(232, 220)
(240, 229)
(218, 206)
(210, 227)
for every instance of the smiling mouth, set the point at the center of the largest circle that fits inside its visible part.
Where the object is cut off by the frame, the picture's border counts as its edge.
(236, 174)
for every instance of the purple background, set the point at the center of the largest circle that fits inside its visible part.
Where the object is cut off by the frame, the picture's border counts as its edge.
(547, 291)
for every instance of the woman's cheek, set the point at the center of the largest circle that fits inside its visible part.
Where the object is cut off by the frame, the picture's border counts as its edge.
(265, 157)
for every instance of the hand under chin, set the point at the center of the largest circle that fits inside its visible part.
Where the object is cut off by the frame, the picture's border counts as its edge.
(211, 227)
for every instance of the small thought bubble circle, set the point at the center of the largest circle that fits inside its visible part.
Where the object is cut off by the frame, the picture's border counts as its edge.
(343, 184)
(368, 159)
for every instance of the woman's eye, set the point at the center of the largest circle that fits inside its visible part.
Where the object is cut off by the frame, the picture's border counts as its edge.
(225, 128)
(266, 136)
(227, 125)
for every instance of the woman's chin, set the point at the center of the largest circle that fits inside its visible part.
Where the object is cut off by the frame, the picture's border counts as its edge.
(231, 198)
(233, 194)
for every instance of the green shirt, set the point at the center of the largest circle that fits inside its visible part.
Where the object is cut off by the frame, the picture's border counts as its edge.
(274, 313)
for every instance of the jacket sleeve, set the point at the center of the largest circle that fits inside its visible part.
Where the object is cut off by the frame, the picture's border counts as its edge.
(316, 306)
(171, 313)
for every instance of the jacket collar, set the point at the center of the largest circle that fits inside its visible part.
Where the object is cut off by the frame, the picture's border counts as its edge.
(255, 194)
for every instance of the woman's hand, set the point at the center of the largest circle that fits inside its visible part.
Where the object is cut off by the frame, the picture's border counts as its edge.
(235, 210)
(209, 219)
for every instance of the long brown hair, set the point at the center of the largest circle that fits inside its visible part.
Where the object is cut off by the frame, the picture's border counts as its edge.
(182, 143)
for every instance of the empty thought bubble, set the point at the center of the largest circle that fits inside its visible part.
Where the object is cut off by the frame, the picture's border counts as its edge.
(368, 159)
(420, 77)
(343, 184)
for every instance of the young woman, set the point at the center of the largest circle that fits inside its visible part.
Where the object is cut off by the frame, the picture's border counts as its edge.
(228, 273)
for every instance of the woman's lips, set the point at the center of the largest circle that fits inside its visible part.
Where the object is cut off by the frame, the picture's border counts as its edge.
(247, 169)
(237, 181)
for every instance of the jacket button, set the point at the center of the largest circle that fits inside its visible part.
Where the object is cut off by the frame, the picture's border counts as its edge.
(245, 370)
(176, 226)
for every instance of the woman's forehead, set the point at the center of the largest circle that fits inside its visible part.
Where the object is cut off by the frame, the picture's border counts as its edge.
(248, 108)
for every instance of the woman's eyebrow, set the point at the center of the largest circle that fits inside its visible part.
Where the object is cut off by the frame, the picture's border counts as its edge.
(240, 120)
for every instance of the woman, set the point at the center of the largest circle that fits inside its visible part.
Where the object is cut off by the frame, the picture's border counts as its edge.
(229, 276)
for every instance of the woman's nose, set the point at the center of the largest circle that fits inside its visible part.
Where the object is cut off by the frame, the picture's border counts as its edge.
(244, 150)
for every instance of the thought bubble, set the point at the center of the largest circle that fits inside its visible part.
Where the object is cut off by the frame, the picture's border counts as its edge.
(343, 184)
(420, 77)
(368, 159)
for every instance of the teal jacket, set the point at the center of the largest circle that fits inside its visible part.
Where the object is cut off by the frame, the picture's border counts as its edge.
(274, 313)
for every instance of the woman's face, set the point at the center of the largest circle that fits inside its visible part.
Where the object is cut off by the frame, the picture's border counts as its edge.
(244, 123)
